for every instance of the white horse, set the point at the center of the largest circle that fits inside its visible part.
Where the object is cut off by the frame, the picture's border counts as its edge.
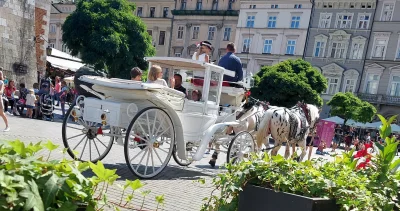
(288, 125)
(248, 118)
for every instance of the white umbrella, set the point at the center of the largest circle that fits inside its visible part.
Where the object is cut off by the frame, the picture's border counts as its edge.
(374, 125)
(353, 123)
(395, 128)
(335, 119)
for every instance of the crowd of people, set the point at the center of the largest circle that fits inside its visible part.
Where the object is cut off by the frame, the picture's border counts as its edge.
(15, 100)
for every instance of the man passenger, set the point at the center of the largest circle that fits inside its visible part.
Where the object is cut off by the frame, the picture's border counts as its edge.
(231, 62)
(136, 74)
(178, 84)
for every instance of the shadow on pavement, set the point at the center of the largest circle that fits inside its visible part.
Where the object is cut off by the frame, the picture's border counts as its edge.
(169, 173)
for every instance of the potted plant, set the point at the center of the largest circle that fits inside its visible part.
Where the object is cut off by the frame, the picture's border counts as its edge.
(353, 181)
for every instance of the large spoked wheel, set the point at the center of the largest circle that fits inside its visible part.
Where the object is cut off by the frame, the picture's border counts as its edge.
(241, 147)
(149, 142)
(84, 140)
(190, 151)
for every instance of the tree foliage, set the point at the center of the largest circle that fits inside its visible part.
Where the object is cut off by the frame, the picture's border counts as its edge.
(288, 82)
(108, 35)
(348, 106)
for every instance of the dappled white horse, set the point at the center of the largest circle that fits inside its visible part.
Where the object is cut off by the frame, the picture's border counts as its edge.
(249, 119)
(288, 125)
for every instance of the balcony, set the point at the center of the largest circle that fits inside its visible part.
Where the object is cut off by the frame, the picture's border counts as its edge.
(380, 99)
(206, 12)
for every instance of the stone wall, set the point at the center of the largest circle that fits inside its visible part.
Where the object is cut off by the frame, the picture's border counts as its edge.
(42, 19)
(17, 45)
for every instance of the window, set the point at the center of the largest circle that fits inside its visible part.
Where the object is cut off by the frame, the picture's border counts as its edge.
(319, 50)
(53, 28)
(333, 84)
(252, 6)
(165, 12)
(199, 4)
(325, 20)
(344, 21)
(387, 11)
(274, 6)
(52, 43)
(349, 85)
(227, 34)
(295, 22)
(246, 45)
(297, 6)
(211, 32)
(291, 46)
(363, 21)
(215, 5)
(230, 4)
(161, 40)
(272, 22)
(180, 32)
(152, 12)
(139, 11)
(150, 32)
(372, 84)
(395, 86)
(380, 48)
(183, 4)
(338, 50)
(357, 51)
(65, 49)
(267, 46)
(398, 49)
(177, 54)
(244, 65)
(196, 30)
(250, 21)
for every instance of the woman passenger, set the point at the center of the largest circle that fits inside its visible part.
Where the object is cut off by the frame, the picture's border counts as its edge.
(155, 76)
(196, 95)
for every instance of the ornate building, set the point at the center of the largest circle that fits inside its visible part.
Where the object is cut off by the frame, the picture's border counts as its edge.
(337, 42)
(271, 31)
(381, 78)
(199, 20)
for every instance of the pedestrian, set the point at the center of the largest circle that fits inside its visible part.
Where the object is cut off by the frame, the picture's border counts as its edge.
(20, 104)
(136, 74)
(63, 97)
(2, 114)
(9, 92)
(231, 62)
(337, 137)
(30, 103)
(57, 90)
(349, 139)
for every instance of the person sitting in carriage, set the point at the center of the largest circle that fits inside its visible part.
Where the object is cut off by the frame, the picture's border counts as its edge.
(231, 62)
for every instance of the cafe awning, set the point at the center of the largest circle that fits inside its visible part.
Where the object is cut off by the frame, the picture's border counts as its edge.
(64, 63)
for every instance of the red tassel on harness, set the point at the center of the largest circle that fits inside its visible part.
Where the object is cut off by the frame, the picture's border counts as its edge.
(137, 139)
(99, 131)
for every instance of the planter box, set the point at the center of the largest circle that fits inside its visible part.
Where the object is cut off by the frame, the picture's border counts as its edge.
(256, 198)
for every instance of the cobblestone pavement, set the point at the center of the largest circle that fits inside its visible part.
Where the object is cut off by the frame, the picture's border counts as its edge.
(177, 183)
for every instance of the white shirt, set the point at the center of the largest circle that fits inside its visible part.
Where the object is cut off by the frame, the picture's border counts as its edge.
(30, 99)
(202, 58)
(159, 81)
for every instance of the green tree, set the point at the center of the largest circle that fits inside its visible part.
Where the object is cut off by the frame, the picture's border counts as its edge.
(108, 35)
(348, 106)
(288, 82)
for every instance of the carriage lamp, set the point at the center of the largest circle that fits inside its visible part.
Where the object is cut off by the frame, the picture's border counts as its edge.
(103, 118)
(74, 115)
(156, 144)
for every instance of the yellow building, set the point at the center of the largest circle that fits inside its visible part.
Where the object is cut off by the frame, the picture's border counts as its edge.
(200, 20)
(157, 16)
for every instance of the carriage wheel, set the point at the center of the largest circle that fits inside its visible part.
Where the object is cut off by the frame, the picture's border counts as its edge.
(149, 142)
(240, 148)
(90, 141)
(191, 149)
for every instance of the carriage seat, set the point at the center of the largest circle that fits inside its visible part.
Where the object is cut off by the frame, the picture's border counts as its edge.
(200, 82)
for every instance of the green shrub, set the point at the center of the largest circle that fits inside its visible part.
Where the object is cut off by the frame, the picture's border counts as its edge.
(372, 188)
(29, 181)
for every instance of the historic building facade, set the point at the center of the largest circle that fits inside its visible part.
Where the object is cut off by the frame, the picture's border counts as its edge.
(200, 20)
(269, 32)
(23, 27)
(58, 15)
(337, 41)
(381, 79)
(157, 16)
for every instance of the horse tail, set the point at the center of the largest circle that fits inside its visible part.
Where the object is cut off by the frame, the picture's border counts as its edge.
(263, 130)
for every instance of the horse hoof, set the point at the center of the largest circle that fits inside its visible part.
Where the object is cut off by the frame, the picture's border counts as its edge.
(212, 163)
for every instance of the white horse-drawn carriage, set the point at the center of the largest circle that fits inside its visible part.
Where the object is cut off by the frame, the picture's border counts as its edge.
(155, 122)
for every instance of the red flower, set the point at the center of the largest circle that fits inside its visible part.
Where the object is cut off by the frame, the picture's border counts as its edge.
(364, 153)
